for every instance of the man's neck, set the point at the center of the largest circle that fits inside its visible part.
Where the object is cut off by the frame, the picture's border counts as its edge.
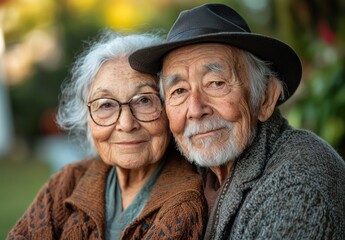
(222, 172)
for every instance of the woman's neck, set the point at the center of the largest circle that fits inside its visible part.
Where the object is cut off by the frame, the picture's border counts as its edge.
(131, 181)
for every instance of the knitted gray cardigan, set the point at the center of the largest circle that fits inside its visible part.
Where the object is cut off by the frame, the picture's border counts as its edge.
(289, 184)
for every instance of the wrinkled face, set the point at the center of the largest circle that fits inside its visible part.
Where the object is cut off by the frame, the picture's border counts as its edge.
(129, 143)
(207, 102)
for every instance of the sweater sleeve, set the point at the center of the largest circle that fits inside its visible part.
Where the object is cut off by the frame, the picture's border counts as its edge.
(36, 221)
(183, 221)
(43, 217)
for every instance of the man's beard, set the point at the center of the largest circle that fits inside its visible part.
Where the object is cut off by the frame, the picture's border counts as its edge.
(212, 153)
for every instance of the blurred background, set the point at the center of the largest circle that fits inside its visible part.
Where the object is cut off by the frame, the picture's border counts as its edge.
(39, 39)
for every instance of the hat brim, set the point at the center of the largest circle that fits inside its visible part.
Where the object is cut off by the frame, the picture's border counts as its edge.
(283, 59)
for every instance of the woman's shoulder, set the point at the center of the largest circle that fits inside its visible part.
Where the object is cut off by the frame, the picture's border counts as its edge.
(69, 175)
(179, 178)
(76, 168)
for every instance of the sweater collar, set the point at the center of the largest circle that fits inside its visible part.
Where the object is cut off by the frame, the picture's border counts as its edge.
(248, 169)
(89, 194)
(251, 162)
(178, 176)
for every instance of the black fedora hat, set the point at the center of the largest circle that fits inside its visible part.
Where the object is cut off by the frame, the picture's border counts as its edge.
(219, 23)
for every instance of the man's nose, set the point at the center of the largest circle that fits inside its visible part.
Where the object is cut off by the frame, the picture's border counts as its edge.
(198, 106)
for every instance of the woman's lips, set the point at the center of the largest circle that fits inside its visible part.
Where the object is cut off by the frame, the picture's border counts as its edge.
(130, 143)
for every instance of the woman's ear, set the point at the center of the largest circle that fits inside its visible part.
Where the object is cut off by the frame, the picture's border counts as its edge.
(270, 99)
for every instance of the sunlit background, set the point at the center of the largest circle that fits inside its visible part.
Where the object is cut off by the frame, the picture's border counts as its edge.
(39, 39)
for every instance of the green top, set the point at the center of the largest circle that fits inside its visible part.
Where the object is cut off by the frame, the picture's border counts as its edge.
(117, 219)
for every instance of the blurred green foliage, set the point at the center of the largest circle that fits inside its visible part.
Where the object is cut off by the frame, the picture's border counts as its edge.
(314, 28)
(318, 28)
(39, 93)
(20, 181)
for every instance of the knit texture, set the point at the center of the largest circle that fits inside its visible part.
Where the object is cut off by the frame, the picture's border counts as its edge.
(72, 205)
(289, 184)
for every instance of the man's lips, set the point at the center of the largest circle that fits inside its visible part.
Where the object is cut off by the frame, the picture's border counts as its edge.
(205, 134)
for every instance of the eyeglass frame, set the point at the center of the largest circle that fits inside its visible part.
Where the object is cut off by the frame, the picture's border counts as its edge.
(120, 108)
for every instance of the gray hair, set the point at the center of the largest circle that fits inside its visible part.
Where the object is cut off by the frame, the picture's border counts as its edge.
(72, 114)
(259, 73)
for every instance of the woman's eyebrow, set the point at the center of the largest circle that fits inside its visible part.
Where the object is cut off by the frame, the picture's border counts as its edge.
(100, 90)
(151, 85)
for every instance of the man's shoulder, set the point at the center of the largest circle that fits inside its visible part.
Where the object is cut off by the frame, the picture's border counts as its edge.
(301, 144)
(303, 158)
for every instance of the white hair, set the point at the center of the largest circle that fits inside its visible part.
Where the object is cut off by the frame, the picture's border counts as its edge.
(73, 111)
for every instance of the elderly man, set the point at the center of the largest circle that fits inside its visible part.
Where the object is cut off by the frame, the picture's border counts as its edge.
(222, 86)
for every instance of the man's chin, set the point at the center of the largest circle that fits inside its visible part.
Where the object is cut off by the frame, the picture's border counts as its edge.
(209, 160)
(211, 156)
(210, 153)
(209, 163)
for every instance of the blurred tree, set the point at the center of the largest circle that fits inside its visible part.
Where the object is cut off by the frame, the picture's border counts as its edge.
(318, 30)
(39, 91)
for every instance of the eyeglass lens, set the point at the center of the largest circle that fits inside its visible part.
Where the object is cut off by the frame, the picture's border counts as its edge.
(144, 107)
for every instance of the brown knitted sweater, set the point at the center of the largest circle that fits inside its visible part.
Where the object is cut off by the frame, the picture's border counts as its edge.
(72, 205)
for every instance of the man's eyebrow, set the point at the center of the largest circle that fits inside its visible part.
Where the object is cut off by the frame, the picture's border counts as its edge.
(214, 67)
(169, 81)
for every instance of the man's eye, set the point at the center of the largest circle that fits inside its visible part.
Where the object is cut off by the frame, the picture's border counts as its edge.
(178, 91)
(217, 88)
(217, 84)
(177, 96)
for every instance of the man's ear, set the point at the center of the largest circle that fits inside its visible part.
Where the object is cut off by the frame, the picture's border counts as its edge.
(269, 102)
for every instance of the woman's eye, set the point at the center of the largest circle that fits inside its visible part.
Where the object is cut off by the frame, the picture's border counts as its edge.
(143, 100)
(106, 105)
(102, 105)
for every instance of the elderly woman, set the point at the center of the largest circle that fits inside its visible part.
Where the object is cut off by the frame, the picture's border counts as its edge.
(136, 186)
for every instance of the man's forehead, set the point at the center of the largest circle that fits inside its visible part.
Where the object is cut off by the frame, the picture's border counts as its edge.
(206, 57)
(203, 53)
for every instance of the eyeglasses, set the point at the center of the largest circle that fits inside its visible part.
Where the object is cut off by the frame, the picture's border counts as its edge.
(145, 107)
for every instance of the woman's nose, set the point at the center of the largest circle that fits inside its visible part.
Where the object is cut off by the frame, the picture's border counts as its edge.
(126, 121)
